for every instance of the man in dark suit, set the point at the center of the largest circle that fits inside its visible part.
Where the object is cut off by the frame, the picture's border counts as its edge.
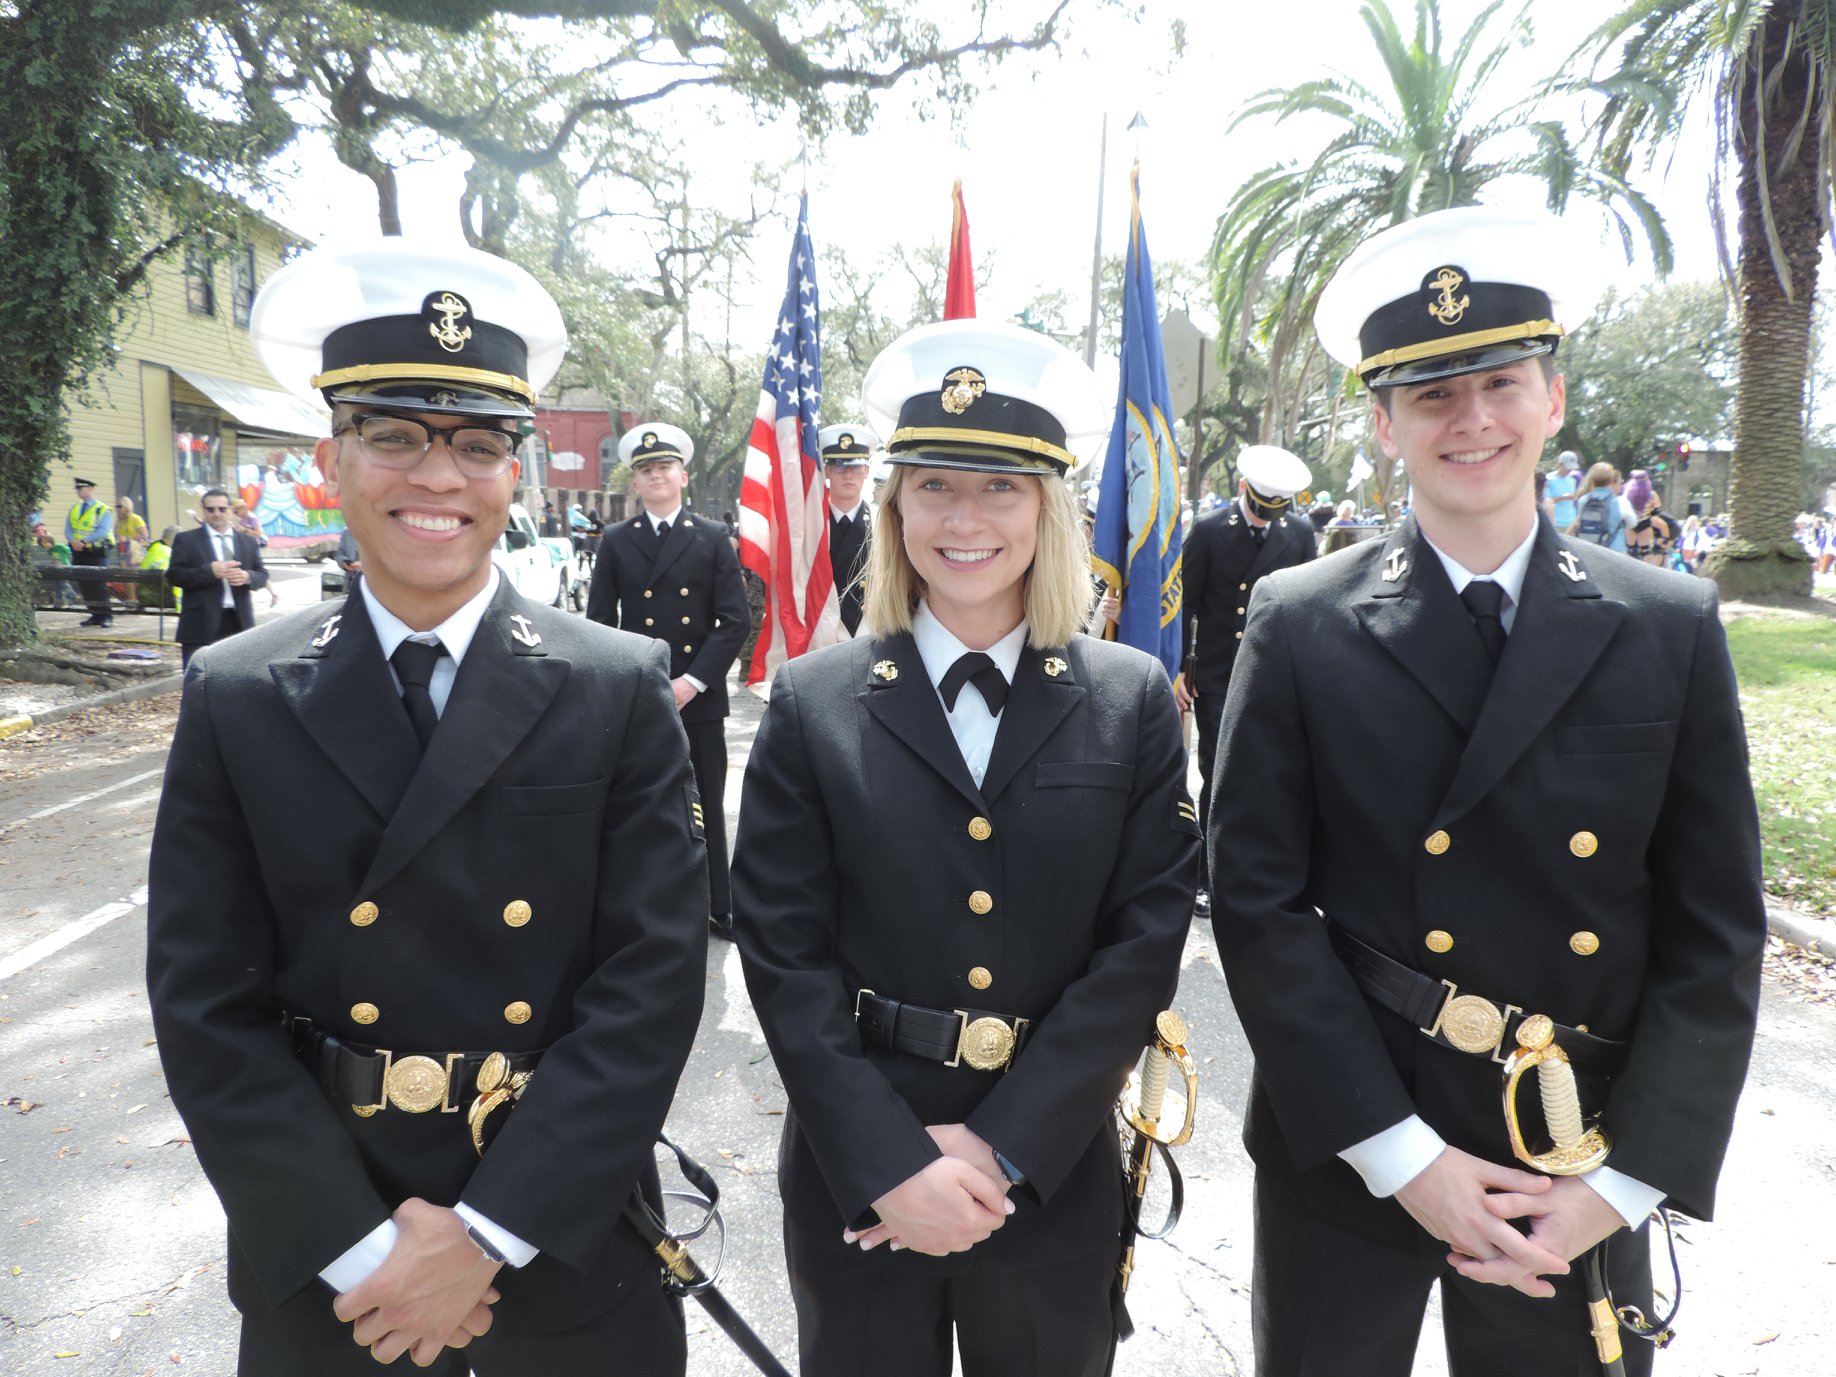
(220, 567)
(1482, 792)
(846, 450)
(425, 1044)
(674, 577)
(1227, 553)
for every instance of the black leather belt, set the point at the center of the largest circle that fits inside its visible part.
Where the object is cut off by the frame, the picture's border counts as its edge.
(955, 1037)
(1465, 1022)
(372, 1078)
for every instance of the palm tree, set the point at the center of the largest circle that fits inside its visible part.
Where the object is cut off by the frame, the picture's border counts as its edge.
(1771, 68)
(1428, 142)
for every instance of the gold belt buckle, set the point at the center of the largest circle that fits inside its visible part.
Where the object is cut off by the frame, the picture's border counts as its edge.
(1471, 1023)
(414, 1084)
(987, 1044)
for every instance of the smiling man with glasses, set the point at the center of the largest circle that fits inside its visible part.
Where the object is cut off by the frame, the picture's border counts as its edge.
(422, 1041)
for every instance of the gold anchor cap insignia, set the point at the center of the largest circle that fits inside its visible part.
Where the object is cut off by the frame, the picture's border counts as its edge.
(962, 386)
(1055, 666)
(887, 670)
(1571, 567)
(444, 398)
(327, 631)
(449, 308)
(520, 631)
(1393, 565)
(1446, 307)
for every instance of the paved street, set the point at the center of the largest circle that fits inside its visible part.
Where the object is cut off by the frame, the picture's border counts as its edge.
(111, 1247)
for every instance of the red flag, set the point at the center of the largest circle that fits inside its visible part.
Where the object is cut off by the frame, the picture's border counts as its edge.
(959, 290)
(784, 503)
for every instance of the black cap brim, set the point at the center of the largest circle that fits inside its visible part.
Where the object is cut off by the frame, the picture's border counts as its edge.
(1480, 360)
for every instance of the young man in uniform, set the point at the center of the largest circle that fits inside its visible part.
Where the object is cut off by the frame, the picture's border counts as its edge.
(1227, 553)
(673, 576)
(846, 450)
(424, 1043)
(1480, 786)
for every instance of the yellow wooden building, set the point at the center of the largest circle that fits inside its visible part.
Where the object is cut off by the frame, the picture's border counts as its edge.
(186, 404)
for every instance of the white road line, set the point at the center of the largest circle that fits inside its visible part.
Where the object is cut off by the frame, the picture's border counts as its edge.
(70, 932)
(736, 1015)
(81, 799)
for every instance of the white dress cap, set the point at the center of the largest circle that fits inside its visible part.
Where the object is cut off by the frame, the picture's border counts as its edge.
(985, 396)
(1457, 291)
(846, 446)
(1272, 471)
(372, 314)
(655, 440)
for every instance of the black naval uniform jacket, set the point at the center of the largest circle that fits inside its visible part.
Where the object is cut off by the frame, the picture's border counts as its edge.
(535, 881)
(1577, 838)
(193, 552)
(849, 545)
(1220, 564)
(685, 591)
(863, 846)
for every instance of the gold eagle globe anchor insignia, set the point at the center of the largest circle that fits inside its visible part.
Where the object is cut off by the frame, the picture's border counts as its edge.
(962, 387)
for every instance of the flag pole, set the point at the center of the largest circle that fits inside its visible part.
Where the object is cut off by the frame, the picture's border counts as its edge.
(1096, 257)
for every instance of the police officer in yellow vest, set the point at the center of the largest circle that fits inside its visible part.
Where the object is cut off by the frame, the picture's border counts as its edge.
(90, 530)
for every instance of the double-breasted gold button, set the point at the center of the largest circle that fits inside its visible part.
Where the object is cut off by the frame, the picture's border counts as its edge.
(650, 621)
(364, 914)
(980, 978)
(647, 593)
(1437, 843)
(685, 621)
(1243, 588)
(1584, 844)
(1240, 611)
(365, 1013)
(517, 1012)
(981, 829)
(1239, 635)
(1439, 941)
(688, 650)
(517, 912)
(683, 591)
(1584, 943)
(980, 901)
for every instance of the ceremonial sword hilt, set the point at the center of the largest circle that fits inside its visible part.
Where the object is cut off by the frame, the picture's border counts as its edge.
(1144, 1099)
(1575, 1148)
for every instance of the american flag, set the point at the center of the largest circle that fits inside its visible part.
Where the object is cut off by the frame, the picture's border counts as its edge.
(783, 519)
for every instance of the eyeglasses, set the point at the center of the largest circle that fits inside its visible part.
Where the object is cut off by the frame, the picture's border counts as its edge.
(400, 442)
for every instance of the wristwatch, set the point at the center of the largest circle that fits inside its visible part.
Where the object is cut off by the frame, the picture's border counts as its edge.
(485, 1246)
(1015, 1177)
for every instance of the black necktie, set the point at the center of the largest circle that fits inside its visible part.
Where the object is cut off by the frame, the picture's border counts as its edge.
(1485, 599)
(1259, 533)
(988, 679)
(414, 663)
(662, 530)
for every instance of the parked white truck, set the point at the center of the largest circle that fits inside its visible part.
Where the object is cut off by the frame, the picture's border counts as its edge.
(542, 569)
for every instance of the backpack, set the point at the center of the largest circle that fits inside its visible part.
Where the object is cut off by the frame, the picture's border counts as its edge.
(1595, 513)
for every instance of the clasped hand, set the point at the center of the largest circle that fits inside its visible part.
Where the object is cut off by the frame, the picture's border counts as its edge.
(950, 1206)
(1468, 1204)
(433, 1291)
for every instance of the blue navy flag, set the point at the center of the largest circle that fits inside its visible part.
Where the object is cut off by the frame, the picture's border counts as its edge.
(1137, 540)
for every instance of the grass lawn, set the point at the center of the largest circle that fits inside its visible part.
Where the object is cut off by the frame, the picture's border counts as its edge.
(1786, 663)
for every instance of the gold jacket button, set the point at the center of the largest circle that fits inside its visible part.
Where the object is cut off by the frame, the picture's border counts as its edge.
(364, 914)
(1243, 588)
(1437, 843)
(365, 1013)
(1584, 944)
(1239, 635)
(1439, 941)
(980, 902)
(979, 978)
(1584, 844)
(685, 621)
(683, 591)
(688, 650)
(650, 621)
(647, 593)
(981, 829)
(518, 1012)
(517, 912)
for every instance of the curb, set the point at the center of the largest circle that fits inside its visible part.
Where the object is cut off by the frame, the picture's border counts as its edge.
(1811, 933)
(151, 688)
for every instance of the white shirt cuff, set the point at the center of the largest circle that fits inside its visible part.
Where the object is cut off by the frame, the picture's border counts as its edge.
(699, 686)
(516, 1252)
(1630, 1198)
(354, 1265)
(1390, 1160)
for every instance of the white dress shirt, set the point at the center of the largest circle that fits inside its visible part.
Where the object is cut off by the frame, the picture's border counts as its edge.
(1390, 1160)
(223, 546)
(363, 1257)
(971, 723)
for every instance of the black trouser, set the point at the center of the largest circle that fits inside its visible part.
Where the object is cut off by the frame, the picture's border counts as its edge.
(708, 754)
(95, 592)
(1328, 1301)
(1208, 708)
(899, 1321)
(227, 625)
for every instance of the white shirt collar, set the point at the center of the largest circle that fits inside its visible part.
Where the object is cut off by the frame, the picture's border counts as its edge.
(455, 633)
(855, 512)
(672, 518)
(1508, 576)
(939, 648)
